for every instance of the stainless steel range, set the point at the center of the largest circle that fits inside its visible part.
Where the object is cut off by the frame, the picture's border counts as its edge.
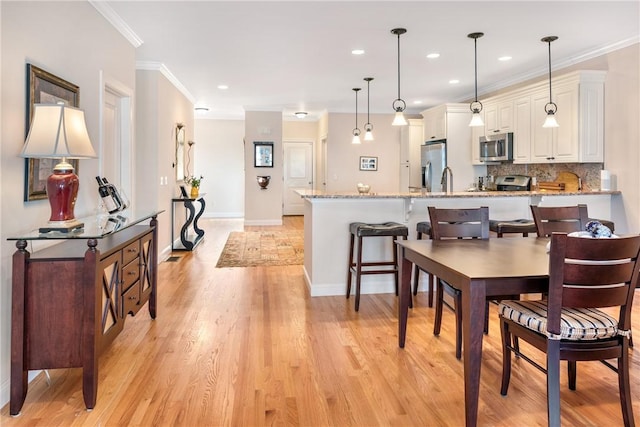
(513, 183)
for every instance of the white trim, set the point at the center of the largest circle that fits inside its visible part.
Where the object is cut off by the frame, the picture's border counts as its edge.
(159, 66)
(118, 23)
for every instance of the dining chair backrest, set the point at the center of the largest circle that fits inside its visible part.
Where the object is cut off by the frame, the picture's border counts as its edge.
(459, 223)
(592, 273)
(562, 219)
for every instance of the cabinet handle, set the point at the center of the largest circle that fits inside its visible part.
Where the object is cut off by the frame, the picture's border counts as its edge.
(132, 297)
(132, 250)
(131, 273)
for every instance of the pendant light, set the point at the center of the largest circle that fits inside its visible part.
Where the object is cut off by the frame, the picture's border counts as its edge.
(368, 127)
(550, 108)
(476, 106)
(399, 105)
(356, 131)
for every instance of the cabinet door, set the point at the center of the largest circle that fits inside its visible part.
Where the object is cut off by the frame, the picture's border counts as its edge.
(505, 116)
(429, 127)
(522, 130)
(490, 118)
(541, 138)
(565, 141)
(110, 323)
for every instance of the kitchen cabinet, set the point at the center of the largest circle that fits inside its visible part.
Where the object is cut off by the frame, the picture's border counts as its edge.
(435, 123)
(498, 117)
(411, 139)
(71, 300)
(580, 137)
(522, 129)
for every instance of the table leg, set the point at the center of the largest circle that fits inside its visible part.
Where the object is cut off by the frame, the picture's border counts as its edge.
(185, 228)
(473, 312)
(405, 297)
(198, 230)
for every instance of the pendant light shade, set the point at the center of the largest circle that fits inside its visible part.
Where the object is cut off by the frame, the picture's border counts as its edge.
(399, 105)
(368, 127)
(550, 108)
(356, 131)
(476, 106)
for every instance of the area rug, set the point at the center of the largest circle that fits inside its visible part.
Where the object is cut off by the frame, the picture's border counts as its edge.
(262, 248)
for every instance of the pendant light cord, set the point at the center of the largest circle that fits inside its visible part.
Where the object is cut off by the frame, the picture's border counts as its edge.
(475, 55)
(549, 43)
(398, 65)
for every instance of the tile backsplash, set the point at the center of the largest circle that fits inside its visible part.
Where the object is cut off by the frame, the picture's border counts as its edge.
(589, 172)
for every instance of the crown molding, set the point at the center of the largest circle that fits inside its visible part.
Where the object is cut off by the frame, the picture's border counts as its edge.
(159, 66)
(117, 22)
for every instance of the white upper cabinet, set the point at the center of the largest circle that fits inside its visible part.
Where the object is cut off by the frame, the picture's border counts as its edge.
(579, 139)
(498, 117)
(435, 123)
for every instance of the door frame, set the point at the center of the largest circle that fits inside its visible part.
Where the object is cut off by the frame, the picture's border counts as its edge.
(313, 166)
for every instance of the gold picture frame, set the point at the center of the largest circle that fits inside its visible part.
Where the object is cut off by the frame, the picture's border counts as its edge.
(44, 88)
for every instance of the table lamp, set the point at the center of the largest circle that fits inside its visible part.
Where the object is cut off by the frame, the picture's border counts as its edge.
(59, 132)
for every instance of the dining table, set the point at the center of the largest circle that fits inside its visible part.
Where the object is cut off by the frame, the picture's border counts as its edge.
(478, 269)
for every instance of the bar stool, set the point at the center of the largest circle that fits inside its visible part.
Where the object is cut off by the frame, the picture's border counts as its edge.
(524, 226)
(423, 228)
(359, 268)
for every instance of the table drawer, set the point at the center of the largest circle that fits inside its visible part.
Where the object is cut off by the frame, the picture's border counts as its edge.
(130, 252)
(131, 299)
(130, 274)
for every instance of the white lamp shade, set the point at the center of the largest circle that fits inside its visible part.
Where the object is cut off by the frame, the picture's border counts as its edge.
(58, 131)
(476, 120)
(550, 121)
(399, 119)
(356, 139)
(368, 135)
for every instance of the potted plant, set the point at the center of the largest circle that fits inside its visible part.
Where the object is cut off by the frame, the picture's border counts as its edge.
(194, 182)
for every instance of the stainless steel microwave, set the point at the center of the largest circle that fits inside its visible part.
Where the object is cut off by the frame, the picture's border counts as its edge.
(496, 148)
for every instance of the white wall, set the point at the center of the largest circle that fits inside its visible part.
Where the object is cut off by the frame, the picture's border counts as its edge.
(218, 155)
(82, 45)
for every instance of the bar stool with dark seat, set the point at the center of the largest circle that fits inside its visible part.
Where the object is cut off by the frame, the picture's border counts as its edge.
(524, 226)
(359, 268)
(423, 228)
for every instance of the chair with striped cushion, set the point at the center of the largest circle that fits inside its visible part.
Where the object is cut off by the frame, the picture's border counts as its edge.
(585, 275)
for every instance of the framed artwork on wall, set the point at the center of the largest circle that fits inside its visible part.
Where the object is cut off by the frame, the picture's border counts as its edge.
(262, 154)
(44, 88)
(368, 163)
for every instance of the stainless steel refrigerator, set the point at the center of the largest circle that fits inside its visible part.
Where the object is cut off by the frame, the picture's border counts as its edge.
(433, 158)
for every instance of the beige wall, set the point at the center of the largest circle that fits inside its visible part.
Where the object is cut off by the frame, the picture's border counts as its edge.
(343, 157)
(263, 207)
(82, 46)
(219, 156)
(160, 107)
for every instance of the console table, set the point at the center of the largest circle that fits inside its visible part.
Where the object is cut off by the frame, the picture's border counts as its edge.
(188, 242)
(70, 300)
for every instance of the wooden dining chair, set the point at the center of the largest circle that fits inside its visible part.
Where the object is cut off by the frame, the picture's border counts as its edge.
(562, 219)
(456, 224)
(584, 275)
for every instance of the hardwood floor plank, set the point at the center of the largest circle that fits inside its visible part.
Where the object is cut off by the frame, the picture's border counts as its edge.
(250, 347)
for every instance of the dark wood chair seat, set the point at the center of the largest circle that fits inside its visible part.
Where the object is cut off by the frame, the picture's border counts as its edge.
(518, 226)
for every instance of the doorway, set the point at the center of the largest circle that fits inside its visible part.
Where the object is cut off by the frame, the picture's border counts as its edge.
(298, 175)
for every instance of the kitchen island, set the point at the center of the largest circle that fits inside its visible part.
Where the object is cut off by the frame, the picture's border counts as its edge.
(327, 217)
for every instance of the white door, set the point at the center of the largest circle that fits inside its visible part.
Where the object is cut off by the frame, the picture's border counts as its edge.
(298, 175)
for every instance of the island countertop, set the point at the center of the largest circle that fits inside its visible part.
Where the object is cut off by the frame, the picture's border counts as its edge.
(320, 194)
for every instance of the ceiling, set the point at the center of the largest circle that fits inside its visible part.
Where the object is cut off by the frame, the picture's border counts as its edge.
(296, 55)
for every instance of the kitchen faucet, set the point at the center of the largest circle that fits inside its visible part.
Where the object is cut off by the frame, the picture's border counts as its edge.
(443, 181)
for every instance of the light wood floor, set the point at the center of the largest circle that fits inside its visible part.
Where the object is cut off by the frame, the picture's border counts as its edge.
(249, 347)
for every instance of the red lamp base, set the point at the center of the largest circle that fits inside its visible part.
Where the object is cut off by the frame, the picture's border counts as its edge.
(62, 191)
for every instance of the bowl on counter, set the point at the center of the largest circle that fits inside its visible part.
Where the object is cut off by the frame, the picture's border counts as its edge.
(364, 188)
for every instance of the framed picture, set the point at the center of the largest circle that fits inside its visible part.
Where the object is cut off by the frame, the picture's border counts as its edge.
(368, 163)
(262, 154)
(44, 88)
(183, 192)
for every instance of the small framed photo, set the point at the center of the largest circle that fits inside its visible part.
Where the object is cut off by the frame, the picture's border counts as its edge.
(183, 192)
(263, 154)
(368, 163)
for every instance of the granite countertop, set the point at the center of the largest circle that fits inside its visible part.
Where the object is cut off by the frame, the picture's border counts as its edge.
(319, 194)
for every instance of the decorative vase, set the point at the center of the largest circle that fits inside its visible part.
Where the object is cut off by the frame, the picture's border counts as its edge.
(194, 192)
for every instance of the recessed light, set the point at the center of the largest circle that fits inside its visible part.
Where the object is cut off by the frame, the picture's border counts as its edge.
(223, 87)
(357, 51)
(433, 55)
(418, 102)
(454, 81)
(504, 58)
(301, 114)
